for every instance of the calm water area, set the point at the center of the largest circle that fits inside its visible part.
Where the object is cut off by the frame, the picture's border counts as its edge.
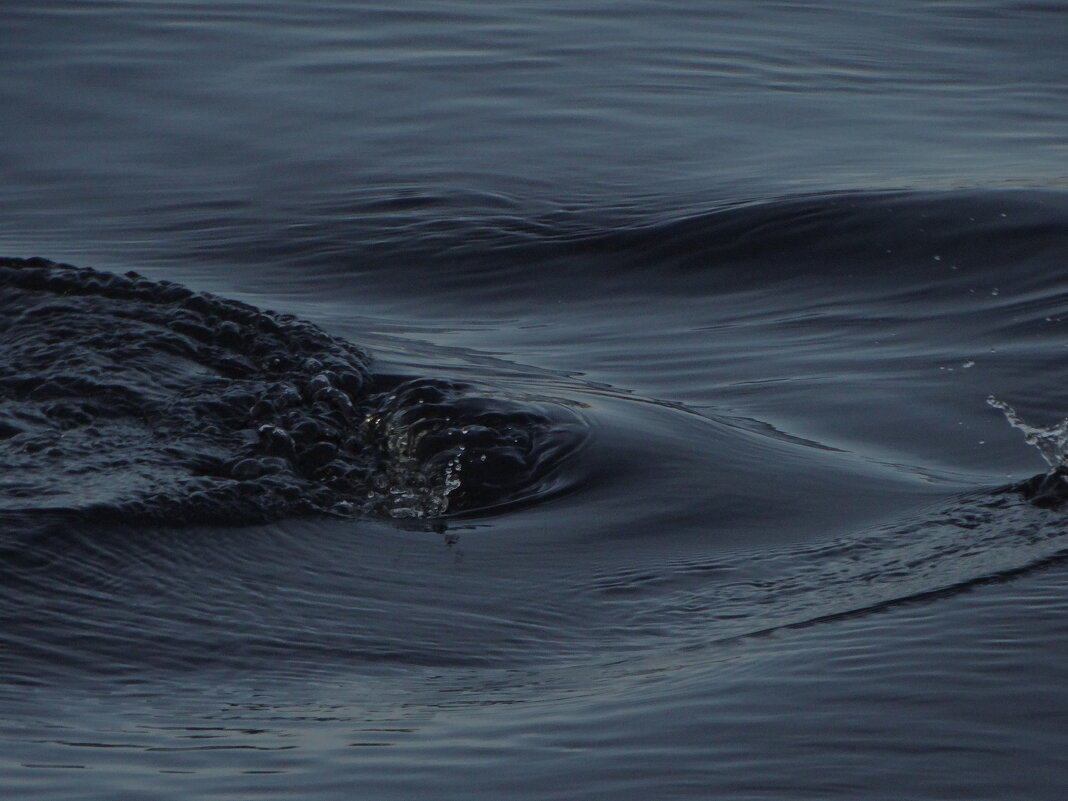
(747, 271)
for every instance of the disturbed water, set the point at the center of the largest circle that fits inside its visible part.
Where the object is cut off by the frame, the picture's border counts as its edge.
(633, 400)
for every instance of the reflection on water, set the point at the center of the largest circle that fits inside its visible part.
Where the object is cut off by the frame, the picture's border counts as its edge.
(719, 291)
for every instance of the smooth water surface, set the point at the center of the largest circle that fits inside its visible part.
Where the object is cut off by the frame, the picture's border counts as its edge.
(727, 287)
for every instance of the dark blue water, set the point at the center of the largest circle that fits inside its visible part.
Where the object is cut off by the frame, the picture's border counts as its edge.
(719, 290)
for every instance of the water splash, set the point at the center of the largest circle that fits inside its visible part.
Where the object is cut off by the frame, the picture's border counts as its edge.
(126, 398)
(1052, 442)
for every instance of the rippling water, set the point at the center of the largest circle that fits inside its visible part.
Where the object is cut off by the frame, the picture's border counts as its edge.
(573, 401)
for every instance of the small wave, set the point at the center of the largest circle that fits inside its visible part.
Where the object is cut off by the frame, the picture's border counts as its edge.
(120, 396)
(926, 236)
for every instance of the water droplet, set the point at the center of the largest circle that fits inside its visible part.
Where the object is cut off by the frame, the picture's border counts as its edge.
(1052, 441)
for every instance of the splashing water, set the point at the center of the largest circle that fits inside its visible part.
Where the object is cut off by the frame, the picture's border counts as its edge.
(144, 400)
(1052, 442)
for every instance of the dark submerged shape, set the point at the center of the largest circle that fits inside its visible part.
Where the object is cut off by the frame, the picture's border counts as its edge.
(121, 396)
(1047, 491)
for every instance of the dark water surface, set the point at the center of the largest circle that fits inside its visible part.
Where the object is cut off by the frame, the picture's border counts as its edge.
(591, 400)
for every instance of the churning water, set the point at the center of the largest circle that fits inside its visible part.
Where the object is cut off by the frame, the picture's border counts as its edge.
(583, 400)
